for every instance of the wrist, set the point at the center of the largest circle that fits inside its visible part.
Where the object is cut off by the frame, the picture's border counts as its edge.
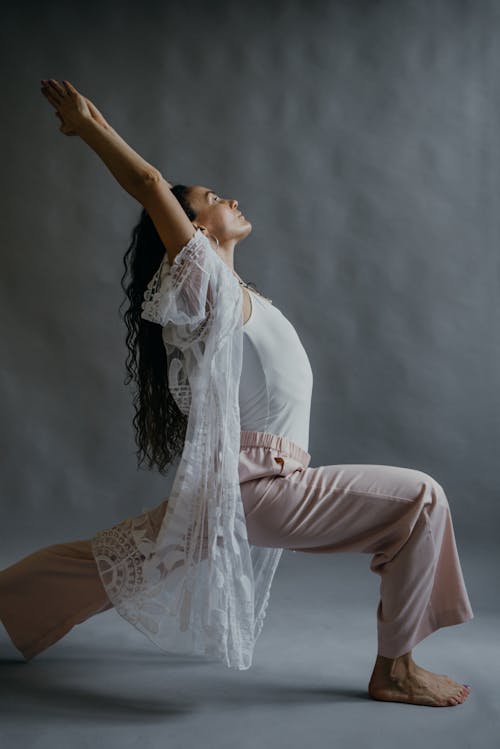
(88, 125)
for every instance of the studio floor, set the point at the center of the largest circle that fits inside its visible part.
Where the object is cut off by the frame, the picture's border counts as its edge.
(105, 685)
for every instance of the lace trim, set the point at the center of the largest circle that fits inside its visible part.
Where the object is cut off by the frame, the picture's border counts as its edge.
(121, 553)
(189, 258)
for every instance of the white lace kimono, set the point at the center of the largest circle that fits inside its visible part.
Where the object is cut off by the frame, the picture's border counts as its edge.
(199, 586)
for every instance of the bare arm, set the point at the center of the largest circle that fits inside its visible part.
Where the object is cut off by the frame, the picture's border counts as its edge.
(137, 176)
(126, 165)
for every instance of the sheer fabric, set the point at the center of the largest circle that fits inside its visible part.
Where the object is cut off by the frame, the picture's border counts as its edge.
(197, 586)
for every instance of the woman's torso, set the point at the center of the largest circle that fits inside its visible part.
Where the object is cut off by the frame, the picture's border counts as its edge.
(276, 380)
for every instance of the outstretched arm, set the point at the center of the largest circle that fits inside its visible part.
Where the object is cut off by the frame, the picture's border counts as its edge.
(138, 177)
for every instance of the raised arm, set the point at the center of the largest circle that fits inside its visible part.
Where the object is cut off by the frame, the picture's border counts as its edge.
(139, 178)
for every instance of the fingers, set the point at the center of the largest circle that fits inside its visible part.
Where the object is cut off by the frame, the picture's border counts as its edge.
(55, 92)
(57, 87)
(66, 99)
(50, 96)
(69, 87)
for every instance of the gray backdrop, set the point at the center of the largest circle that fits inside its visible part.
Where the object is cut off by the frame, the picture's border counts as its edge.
(361, 140)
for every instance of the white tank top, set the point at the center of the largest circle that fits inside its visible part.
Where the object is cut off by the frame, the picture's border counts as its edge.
(276, 379)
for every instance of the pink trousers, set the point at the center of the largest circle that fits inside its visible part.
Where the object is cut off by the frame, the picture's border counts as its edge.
(400, 516)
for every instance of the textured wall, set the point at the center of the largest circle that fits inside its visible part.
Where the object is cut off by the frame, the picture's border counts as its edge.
(361, 140)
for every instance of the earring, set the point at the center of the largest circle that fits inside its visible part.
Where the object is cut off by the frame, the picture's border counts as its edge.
(207, 232)
(213, 235)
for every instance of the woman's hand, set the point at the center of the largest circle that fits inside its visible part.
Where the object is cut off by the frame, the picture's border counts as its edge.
(72, 108)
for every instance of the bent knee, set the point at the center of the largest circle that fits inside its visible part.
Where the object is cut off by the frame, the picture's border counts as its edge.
(436, 490)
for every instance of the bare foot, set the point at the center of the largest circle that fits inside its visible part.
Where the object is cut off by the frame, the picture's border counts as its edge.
(401, 680)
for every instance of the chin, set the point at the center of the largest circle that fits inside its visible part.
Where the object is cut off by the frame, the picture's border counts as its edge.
(244, 231)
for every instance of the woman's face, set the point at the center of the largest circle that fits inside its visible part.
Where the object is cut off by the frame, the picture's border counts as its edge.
(221, 216)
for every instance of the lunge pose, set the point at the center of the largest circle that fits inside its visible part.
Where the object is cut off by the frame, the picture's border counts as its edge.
(224, 383)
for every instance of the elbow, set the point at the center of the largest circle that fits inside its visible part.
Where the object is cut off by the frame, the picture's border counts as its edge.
(150, 177)
(145, 181)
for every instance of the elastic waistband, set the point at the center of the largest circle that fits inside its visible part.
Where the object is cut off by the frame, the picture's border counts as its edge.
(283, 444)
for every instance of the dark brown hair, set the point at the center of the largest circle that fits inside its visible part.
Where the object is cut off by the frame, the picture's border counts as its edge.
(159, 425)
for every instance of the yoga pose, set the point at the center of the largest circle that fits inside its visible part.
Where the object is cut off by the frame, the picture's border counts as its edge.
(224, 382)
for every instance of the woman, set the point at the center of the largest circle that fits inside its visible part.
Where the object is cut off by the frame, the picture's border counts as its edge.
(224, 381)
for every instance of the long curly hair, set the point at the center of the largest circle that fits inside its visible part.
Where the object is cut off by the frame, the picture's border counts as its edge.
(159, 425)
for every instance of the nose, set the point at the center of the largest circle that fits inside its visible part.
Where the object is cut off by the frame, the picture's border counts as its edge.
(233, 203)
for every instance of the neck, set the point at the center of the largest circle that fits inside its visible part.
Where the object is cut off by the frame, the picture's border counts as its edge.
(226, 252)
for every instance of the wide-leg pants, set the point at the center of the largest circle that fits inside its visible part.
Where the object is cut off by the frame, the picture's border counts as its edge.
(400, 516)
